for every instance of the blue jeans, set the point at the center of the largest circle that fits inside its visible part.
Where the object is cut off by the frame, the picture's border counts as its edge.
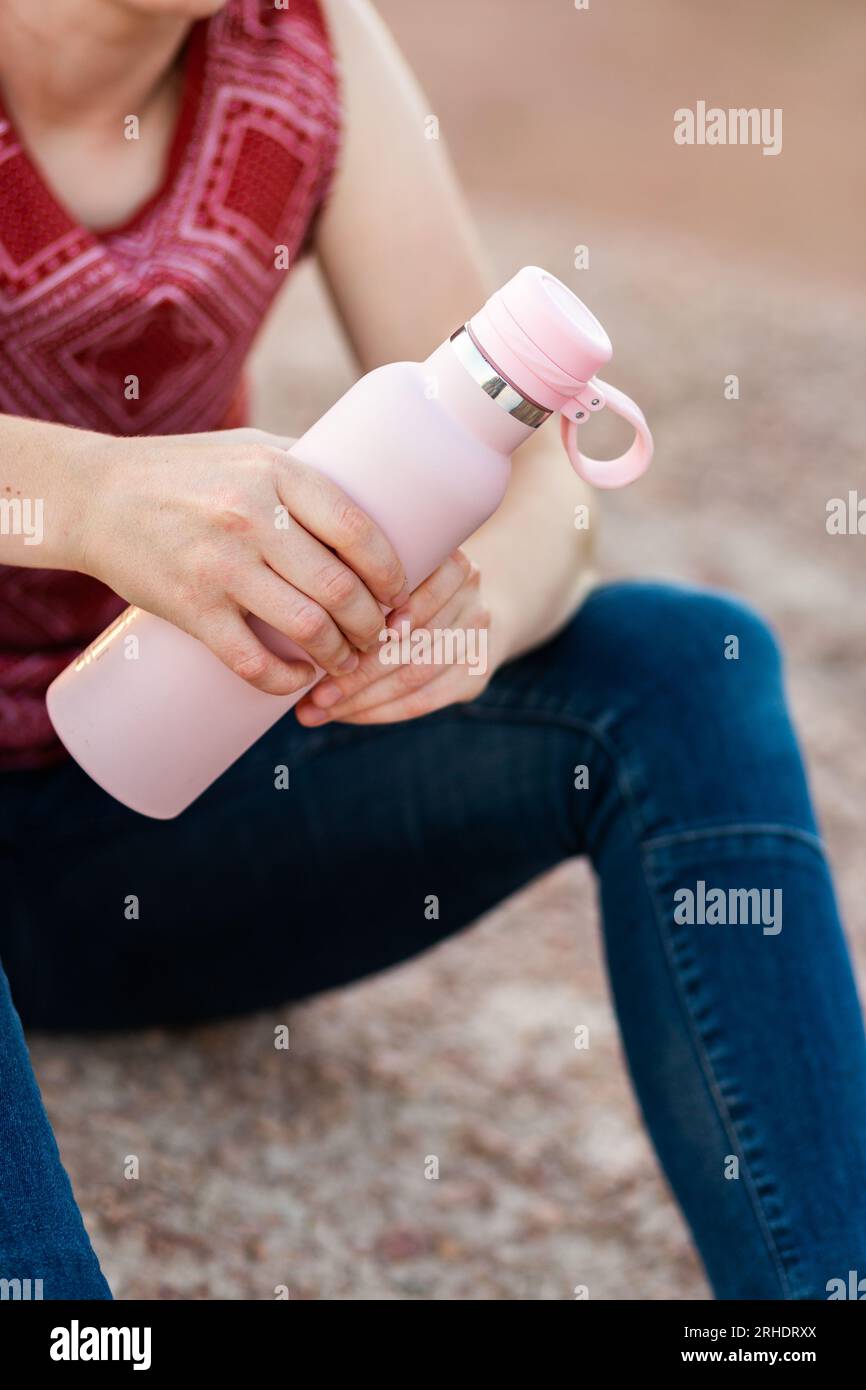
(735, 999)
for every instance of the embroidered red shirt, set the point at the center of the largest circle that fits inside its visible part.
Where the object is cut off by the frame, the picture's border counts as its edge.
(173, 297)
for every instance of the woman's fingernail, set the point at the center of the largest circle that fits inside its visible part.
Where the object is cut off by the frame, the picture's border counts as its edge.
(351, 663)
(314, 716)
(402, 596)
(400, 616)
(327, 694)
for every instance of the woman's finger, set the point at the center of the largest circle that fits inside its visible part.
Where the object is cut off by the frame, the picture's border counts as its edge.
(231, 638)
(453, 578)
(327, 512)
(302, 561)
(369, 670)
(429, 597)
(261, 592)
(447, 688)
(458, 614)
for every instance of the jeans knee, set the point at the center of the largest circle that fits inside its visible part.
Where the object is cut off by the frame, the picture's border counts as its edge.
(688, 685)
(681, 643)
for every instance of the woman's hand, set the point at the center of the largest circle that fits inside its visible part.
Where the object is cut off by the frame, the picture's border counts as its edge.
(205, 529)
(379, 692)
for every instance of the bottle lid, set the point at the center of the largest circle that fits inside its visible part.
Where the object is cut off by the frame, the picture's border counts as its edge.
(544, 340)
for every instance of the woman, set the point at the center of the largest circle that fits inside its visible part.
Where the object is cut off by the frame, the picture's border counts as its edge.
(161, 162)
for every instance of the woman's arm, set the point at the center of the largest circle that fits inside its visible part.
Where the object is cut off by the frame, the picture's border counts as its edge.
(404, 267)
(49, 475)
(185, 526)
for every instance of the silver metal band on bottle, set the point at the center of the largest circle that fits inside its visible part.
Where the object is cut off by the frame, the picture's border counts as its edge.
(502, 392)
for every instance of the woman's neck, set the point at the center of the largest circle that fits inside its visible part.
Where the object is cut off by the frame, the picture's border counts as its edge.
(95, 63)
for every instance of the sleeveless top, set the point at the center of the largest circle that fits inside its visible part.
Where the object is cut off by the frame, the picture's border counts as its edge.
(173, 297)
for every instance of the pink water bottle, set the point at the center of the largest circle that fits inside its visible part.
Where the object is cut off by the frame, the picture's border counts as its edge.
(425, 449)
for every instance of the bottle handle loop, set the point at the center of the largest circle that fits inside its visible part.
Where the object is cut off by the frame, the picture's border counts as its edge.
(610, 473)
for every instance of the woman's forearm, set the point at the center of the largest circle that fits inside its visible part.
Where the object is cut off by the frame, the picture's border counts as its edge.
(536, 553)
(48, 473)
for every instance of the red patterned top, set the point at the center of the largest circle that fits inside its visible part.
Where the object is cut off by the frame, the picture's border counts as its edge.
(174, 296)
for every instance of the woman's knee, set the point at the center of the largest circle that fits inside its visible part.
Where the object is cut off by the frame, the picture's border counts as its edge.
(678, 644)
(690, 682)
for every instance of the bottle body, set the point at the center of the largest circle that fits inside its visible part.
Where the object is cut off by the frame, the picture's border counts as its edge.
(154, 717)
(424, 448)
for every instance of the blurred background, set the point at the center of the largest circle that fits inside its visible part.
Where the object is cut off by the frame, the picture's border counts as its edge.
(306, 1169)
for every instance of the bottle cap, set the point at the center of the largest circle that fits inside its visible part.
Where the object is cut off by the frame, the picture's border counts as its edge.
(544, 340)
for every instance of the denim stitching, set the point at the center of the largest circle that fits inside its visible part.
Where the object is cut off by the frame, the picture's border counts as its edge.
(766, 1221)
(678, 837)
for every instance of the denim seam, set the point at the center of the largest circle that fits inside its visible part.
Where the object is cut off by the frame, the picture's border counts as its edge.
(624, 785)
(765, 1221)
(680, 837)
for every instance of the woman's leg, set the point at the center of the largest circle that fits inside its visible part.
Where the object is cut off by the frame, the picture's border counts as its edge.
(45, 1251)
(745, 1044)
(254, 896)
(745, 1040)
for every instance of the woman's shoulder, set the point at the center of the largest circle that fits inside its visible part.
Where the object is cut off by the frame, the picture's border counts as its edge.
(274, 64)
(271, 31)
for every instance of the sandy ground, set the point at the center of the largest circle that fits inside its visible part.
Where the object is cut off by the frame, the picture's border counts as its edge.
(306, 1168)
